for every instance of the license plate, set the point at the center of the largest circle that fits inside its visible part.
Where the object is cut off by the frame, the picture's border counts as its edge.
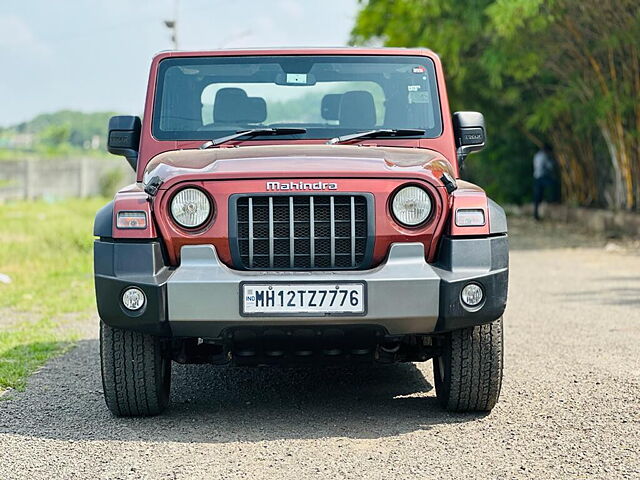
(303, 299)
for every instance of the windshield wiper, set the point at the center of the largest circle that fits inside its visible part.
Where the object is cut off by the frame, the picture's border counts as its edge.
(254, 132)
(381, 132)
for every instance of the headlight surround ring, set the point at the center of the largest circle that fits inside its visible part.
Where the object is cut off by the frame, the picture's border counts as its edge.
(411, 206)
(190, 208)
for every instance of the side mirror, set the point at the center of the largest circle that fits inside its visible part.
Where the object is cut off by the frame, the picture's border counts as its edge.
(124, 137)
(468, 128)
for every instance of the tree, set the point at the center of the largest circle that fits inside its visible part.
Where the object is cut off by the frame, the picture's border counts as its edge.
(562, 71)
(56, 135)
(81, 127)
(588, 50)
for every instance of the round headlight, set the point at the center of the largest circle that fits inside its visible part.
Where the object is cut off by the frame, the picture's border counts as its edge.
(190, 208)
(411, 206)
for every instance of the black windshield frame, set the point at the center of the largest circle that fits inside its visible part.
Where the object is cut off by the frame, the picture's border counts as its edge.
(312, 133)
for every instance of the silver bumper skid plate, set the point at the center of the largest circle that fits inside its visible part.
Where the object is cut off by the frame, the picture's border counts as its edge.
(403, 292)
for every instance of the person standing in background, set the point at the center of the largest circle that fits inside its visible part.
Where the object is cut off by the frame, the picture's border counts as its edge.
(542, 176)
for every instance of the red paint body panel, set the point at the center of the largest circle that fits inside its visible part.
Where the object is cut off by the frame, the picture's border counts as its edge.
(133, 199)
(298, 161)
(469, 196)
(387, 230)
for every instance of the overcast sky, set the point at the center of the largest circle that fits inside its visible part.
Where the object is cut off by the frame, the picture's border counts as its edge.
(94, 55)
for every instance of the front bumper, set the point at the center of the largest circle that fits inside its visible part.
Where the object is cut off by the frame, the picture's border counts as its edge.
(200, 298)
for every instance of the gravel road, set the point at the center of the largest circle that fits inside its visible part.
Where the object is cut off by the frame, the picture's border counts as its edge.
(570, 404)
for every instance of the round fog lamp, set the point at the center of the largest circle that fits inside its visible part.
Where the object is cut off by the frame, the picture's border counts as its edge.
(133, 299)
(472, 295)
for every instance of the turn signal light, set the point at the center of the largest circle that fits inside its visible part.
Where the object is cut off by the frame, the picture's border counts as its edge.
(135, 220)
(470, 217)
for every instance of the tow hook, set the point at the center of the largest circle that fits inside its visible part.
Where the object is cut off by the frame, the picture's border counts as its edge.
(388, 352)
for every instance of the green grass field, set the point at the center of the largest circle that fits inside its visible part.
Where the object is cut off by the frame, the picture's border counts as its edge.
(45, 249)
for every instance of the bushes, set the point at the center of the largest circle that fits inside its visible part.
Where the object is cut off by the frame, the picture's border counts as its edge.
(110, 181)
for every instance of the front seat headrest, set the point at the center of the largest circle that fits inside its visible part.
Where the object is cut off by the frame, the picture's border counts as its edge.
(330, 107)
(357, 110)
(226, 105)
(256, 110)
(233, 106)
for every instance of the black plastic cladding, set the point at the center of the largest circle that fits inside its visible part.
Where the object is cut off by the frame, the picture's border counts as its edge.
(103, 223)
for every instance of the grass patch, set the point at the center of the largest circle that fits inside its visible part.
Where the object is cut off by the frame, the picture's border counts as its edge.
(46, 250)
(26, 347)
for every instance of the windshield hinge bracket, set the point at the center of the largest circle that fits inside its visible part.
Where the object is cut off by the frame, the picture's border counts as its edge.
(152, 187)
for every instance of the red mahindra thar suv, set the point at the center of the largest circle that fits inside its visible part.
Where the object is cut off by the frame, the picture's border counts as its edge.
(299, 207)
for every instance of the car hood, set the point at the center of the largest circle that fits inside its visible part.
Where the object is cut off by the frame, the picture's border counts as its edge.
(297, 161)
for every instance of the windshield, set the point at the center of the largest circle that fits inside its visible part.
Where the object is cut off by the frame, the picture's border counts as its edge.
(208, 97)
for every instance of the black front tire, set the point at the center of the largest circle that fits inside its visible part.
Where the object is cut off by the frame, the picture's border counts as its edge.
(136, 376)
(468, 374)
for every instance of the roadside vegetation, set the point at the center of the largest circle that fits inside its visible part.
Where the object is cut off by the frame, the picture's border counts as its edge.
(563, 72)
(62, 133)
(46, 284)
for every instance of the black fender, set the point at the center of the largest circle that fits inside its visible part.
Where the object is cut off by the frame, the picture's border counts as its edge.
(480, 260)
(103, 223)
(497, 218)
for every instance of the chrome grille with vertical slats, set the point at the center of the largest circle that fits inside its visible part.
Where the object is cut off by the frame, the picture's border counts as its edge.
(301, 232)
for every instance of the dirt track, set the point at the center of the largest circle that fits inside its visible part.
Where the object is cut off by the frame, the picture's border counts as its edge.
(570, 404)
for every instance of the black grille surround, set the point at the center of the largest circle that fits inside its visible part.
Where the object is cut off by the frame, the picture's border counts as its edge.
(301, 231)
